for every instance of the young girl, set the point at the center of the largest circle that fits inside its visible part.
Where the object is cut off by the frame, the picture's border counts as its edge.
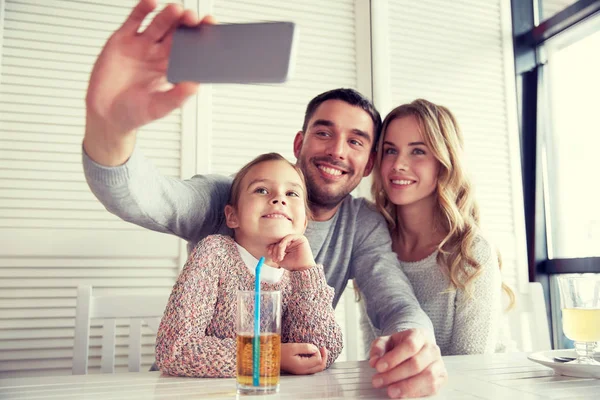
(422, 190)
(268, 212)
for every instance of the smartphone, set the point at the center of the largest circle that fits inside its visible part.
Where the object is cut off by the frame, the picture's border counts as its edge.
(233, 53)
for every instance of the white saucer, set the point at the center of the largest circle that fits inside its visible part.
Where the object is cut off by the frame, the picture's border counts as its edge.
(581, 371)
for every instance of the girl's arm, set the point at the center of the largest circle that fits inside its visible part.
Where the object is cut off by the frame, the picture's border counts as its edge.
(182, 348)
(310, 317)
(477, 317)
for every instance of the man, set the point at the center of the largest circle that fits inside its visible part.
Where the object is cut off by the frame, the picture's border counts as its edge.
(334, 150)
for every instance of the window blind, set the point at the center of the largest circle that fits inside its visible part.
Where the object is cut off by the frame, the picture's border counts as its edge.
(54, 234)
(252, 119)
(453, 53)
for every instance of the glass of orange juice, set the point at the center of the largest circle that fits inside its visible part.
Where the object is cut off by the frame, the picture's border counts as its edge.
(580, 303)
(269, 342)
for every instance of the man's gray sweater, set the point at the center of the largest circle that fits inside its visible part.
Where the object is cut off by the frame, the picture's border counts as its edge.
(354, 244)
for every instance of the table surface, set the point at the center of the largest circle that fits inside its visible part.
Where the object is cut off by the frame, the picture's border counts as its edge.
(498, 376)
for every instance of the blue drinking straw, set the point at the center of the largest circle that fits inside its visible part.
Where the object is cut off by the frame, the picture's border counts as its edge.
(256, 338)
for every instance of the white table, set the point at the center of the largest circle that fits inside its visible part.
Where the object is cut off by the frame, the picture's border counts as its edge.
(499, 376)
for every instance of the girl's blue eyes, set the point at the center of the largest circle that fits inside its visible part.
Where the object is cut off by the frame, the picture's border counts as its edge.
(265, 191)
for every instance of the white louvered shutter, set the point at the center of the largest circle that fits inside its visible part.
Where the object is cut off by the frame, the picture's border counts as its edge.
(252, 119)
(54, 234)
(452, 53)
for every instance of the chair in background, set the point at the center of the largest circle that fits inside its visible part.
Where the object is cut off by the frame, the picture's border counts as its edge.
(351, 315)
(528, 321)
(137, 309)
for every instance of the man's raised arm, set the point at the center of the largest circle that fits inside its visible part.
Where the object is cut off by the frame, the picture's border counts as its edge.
(127, 90)
(137, 192)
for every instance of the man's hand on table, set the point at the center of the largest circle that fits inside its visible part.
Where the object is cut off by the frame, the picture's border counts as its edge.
(408, 363)
(302, 358)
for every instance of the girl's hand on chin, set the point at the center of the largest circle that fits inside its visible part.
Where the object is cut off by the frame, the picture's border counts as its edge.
(292, 253)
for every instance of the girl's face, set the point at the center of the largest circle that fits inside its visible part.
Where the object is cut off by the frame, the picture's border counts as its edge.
(270, 206)
(409, 170)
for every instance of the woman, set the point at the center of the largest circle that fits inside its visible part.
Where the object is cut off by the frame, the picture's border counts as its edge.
(422, 190)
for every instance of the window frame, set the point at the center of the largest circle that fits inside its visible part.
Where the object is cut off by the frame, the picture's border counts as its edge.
(529, 38)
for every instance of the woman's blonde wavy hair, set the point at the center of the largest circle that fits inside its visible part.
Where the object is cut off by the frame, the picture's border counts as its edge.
(458, 212)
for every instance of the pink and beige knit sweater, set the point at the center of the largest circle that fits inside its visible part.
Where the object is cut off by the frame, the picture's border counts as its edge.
(196, 336)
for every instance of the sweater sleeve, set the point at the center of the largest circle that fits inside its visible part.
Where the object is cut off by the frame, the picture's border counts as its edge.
(310, 317)
(137, 192)
(477, 316)
(388, 294)
(182, 348)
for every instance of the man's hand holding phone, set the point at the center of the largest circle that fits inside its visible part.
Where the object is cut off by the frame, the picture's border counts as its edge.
(128, 86)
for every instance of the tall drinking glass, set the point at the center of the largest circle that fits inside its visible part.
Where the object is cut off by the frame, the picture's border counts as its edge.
(270, 342)
(580, 302)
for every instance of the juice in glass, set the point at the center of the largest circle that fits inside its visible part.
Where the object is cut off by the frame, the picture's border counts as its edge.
(582, 325)
(269, 343)
(270, 357)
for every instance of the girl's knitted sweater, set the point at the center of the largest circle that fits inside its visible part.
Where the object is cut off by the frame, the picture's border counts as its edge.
(197, 334)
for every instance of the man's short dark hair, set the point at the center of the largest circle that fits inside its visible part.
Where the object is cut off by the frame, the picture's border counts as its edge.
(351, 97)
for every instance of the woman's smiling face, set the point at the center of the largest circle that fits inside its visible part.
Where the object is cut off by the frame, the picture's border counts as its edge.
(409, 169)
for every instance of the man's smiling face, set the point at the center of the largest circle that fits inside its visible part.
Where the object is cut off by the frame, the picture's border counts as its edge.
(335, 151)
